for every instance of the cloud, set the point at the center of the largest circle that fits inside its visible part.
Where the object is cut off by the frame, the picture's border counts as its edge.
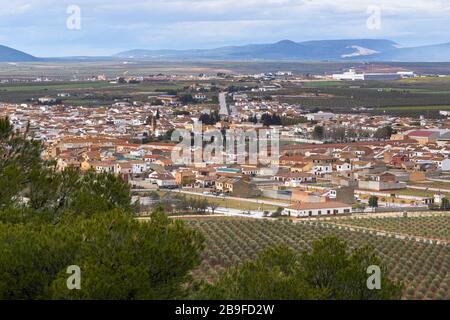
(113, 25)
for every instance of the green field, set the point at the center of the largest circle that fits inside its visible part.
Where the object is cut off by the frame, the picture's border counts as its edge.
(417, 108)
(421, 267)
(57, 87)
(435, 227)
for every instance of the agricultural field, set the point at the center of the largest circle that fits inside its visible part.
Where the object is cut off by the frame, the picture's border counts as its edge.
(433, 227)
(413, 97)
(87, 93)
(422, 267)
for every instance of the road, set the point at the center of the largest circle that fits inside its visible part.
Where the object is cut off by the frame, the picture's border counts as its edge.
(257, 201)
(429, 189)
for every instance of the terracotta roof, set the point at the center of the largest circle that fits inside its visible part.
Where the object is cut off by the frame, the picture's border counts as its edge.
(421, 134)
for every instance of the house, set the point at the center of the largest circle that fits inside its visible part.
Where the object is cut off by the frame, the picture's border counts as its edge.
(104, 167)
(185, 177)
(342, 194)
(200, 96)
(322, 169)
(150, 158)
(424, 136)
(237, 187)
(321, 116)
(167, 99)
(139, 167)
(341, 166)
(124, 167)
(398, 160)
(204, 181)
(379, 182)
(163, 162)
(250, 170)
(317, 209)
(294, 179)
(225, 184)
(163, 180)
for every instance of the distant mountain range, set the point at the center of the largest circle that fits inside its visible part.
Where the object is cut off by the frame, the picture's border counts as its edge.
(284, 50)
(321, 50)
(8, 54)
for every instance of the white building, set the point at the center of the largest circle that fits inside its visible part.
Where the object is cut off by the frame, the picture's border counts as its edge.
(321, 116)
(352, 75)
(317, 209)
(445, 165)
(163, 180)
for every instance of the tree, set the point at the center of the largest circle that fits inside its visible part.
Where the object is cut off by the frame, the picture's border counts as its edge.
(187, 98)
(24, 175)
(19, 155)
(273, 275)
(445, 204)
(149, 261)
(277, 213)
(328, 271)
(373, 202)
(384, 133)
(270, 119)
(318, 132)
(210, 119)
(98, 193)
(213, 206)
(342, 275)
(30, 258)
(119, 257)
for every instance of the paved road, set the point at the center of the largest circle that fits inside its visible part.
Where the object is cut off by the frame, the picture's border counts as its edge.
(429, 189)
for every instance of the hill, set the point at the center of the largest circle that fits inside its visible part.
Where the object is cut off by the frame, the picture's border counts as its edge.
(284, 50)
(432, 53)
(8, 54)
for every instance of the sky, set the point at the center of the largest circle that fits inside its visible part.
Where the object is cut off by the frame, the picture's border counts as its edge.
(51, 28)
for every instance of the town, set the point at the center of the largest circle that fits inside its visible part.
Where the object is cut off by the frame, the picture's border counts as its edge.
(328, 162)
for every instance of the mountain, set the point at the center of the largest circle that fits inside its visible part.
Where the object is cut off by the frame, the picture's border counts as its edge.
(432, 53)
(8, 54)
(283, 50)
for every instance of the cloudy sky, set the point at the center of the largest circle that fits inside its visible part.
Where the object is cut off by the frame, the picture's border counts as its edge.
(48, 28)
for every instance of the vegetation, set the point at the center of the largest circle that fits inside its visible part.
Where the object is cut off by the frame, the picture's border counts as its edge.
(373, 202)
(421, 267)
(435, 227)
(327, 272)
(27, 181)
(52, 220)
(318, 133)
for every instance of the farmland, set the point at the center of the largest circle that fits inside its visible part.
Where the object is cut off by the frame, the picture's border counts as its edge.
(85, 93)
(412, 97)
(422, 267)
(436, 227)
(404, 97)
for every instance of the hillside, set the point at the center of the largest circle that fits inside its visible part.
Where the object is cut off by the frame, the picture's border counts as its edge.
(283, 50)
(8, 54)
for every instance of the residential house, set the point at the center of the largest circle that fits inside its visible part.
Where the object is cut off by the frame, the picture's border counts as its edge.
(317, 209)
